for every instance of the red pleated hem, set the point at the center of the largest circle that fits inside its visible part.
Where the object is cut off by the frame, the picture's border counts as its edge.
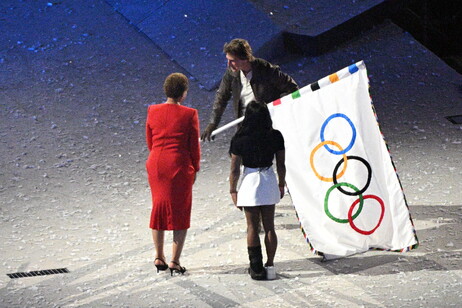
(165, 216)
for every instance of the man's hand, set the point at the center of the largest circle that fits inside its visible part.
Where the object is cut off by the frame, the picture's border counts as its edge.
(207, 133)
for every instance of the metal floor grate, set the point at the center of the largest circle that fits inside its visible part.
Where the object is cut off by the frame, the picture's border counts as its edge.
(38, 273)
(456, 119)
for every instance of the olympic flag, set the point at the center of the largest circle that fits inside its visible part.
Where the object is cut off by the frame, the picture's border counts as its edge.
(340, 174)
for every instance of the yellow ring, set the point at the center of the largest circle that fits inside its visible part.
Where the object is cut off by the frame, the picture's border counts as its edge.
(312, 163)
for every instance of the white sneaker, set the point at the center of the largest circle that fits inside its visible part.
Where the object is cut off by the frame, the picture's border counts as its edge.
(270, 273)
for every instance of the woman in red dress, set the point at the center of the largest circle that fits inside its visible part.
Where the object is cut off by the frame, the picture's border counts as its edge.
(172, 136)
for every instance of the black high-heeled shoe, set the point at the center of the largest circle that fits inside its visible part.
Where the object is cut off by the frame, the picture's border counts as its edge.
(160, 267)
(180, 269)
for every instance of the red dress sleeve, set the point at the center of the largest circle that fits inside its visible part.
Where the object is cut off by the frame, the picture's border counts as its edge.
(148, 133)
(194, 146)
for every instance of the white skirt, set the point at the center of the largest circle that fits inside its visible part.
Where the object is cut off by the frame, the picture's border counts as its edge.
(258, 186)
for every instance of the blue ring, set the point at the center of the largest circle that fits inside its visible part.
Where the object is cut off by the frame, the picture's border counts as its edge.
(338, 115)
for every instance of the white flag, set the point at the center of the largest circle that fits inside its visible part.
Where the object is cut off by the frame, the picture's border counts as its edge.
(340, 174)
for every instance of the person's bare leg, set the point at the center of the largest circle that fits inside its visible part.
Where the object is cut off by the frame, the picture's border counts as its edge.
(252, 215)
(271, 240)
(179, 237)
(158, 238)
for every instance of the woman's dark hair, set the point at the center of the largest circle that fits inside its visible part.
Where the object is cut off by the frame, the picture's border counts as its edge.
(239, 48)
(257, 119)
(175, 85)
(258, 127)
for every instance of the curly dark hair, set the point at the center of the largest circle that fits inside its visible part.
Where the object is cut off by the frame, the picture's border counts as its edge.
(239, 48)
(175, 85)
(257, 127)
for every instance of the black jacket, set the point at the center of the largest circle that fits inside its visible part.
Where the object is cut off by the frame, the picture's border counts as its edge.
(268, 84)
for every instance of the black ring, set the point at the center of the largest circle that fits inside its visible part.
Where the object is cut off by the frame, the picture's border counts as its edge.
(369, 176)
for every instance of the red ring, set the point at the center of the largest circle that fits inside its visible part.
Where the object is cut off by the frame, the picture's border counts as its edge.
(350, 212)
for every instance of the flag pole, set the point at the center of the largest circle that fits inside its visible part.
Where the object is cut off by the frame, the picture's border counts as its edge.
(234, 123)
(229, 125)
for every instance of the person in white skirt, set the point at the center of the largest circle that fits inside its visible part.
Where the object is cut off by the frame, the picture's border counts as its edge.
(255, 145)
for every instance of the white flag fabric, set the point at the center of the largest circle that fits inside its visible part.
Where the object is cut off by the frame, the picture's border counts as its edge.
(340, 175)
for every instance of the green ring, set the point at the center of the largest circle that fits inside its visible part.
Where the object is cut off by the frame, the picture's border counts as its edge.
(326, 203)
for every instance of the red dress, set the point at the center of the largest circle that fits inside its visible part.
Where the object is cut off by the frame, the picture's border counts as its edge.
(172, 136)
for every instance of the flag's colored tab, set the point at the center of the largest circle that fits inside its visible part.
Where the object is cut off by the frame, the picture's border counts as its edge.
(277, 102)
(314, 86)
(333, 78)
(353, 68)
(296, 94)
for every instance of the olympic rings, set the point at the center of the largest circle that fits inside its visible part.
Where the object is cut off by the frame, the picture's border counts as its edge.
(350, 211)
(326, 203)
(369, 176)
(312, 161)
(357, 192)
(353, 138)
